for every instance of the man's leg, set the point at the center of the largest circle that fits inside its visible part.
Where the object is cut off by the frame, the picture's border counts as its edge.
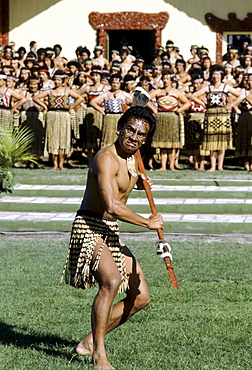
(137, 297)
(109, 279)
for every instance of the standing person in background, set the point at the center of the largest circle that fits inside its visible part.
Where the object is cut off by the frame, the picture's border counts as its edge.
(94, 118)
(33, 49)
(99, 59)
(44, 78)
(171, 103)
(59, 61)
(217, 135)
(32, 117)
(243, 106)
(115, 102)
(6, 108)
(58, 122)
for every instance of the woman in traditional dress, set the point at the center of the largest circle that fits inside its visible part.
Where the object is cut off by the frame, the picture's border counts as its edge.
(94, 118)
(7, 109)
(171, 104)
(243, 106)
(194, 125)
(32, 117)
(217, 133)
(80, 86)
(58, 121)
(115, 102)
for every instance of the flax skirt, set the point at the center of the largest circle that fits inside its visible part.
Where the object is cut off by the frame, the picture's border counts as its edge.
(244, 135)
(168, 131)
(58, 132)
(35, 121)
(109, 129)
(86, 232)
(217, 132)
(6, 119)
(92, 128)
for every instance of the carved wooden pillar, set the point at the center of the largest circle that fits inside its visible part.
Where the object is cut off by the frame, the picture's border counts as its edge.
(4, 22)
(219, 52)
(101, 39)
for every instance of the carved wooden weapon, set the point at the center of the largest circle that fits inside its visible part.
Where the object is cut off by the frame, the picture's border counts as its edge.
(163, 248)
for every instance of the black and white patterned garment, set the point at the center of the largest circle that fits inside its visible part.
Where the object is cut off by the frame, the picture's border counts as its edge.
(113, 106)
(216, 98)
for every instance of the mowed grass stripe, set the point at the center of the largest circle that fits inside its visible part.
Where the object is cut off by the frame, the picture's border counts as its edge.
(81, 181)
(170, 208)
(169, 227)
(136, 194)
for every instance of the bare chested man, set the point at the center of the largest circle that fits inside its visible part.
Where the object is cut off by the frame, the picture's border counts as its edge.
(96, 253)
(59, 61)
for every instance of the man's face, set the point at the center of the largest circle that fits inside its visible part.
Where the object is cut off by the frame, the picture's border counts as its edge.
(133, 134)
(33, 86)
(57, 51)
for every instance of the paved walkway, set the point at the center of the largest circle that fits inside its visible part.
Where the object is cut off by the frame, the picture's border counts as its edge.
(171, 217)
(154, 188)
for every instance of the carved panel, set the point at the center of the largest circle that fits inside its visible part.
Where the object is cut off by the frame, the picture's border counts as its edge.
(103, 22)
(128, 20)
(233, 24)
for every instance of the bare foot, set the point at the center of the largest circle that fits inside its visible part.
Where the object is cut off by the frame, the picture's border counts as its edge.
(54, 168)
(211, 170)
(103, 364)
(85, 347)
(61, 167)
(161, 169)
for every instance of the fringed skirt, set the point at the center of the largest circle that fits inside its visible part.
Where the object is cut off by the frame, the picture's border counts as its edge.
(93, 127)
(79, 133)
(244, 135)
(6, 119)
(86, 232)
(167, 133)
(217, 132)
(109, 129)
(58, 132)
(194, 134)
(35, 121)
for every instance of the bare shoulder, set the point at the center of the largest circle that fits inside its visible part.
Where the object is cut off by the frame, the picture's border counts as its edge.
(106, 160)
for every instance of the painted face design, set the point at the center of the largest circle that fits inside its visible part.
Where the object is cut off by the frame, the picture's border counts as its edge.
(133, 134)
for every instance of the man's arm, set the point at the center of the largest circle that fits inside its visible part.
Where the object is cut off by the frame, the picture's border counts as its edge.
(106, 168)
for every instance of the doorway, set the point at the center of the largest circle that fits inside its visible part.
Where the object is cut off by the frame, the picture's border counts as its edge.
(142, 42)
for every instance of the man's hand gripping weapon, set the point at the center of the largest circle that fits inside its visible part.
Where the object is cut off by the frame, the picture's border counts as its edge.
(163, 248)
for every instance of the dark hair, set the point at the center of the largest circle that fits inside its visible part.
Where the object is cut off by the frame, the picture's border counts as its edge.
(181, 61)
(57, 46)
(217, 68)
(32, 43)
(140, 113)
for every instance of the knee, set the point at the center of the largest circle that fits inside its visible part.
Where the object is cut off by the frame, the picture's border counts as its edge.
(111, 285)
(142, 301)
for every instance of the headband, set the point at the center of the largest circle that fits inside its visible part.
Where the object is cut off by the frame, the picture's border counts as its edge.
(2, 76)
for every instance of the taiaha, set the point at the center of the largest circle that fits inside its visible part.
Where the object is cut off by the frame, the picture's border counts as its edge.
(141, 98)
(163, 249)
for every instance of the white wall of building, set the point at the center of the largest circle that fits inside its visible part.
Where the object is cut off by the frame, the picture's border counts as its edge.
(66, 21)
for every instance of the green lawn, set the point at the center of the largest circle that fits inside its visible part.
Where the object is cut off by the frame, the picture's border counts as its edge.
(206, 324)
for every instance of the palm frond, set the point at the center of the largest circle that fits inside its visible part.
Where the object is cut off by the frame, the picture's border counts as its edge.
(14, 146)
